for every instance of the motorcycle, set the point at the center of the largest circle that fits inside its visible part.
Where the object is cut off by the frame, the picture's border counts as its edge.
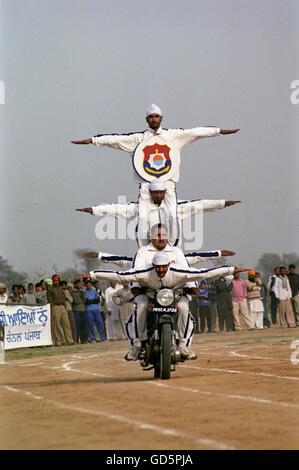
(161, 351)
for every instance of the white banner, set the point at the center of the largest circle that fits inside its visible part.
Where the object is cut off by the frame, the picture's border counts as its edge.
(25, 327)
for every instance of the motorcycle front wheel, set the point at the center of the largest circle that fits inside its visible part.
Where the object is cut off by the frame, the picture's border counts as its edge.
(165, 354)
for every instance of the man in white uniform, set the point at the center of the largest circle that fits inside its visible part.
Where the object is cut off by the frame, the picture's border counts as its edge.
(162, 274)
(155, 154)
(136, 323)
(158, 210)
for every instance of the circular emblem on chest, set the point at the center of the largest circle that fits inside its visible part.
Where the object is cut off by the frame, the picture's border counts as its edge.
(155, 158)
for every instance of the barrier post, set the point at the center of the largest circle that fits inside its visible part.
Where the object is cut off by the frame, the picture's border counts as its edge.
(2, 352)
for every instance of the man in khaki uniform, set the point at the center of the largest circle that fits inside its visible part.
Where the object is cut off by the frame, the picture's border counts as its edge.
(59, 315)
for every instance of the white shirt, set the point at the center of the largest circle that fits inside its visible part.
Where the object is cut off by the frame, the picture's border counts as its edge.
(177, 138)
(270, 281)
(3, 298)
(279, 291)
(110, 304)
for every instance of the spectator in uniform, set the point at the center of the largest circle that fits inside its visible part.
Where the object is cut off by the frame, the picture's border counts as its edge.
(78, 307)
(56, 299)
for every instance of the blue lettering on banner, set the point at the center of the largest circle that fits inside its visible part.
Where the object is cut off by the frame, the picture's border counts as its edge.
(42, 316)
(13, 337)
(24, 318)
(26, 326)
(32, 335)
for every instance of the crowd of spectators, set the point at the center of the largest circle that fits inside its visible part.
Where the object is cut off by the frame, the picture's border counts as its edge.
(79, 312)
(82, 313)
(248, 303)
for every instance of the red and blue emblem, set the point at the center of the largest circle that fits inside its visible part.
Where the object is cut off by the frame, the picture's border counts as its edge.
(156, 161)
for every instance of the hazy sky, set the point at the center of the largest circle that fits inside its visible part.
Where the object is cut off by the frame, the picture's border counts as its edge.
(75, 68)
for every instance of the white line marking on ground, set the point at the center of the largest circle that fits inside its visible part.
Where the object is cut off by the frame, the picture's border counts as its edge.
(135, 423)
(223, 395)
(28, 394)
(235, 353)
(67, 366)
(228, 371)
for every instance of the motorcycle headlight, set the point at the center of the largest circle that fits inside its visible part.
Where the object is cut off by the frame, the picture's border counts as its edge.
(165, 297)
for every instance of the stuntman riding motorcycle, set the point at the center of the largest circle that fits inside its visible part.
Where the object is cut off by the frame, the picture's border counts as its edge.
(136, 325)
(162, 274)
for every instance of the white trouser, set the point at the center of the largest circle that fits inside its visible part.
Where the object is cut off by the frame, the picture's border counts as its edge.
(166, 216)
(256, 313)
(113, 326)
(136, 325)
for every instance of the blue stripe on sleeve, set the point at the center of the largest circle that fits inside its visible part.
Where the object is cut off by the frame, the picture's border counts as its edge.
(117, 258)
(116, 134)
(193, 271)
(203, 254)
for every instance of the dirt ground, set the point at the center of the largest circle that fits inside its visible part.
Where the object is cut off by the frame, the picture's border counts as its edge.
(241, 393)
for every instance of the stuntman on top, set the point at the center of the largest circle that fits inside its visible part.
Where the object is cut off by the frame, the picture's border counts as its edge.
(156, 155)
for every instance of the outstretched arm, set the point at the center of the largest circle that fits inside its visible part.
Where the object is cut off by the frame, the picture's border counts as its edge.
(118, 211)
(200, 256)
(131, 275)
(189, 208)
(210, 273)
(123, 262)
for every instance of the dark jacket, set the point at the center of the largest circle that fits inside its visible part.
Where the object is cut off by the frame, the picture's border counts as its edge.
(294, 282)
(224, 294)
(79, 298)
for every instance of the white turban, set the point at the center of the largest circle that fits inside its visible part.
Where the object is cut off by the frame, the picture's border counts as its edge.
(157, 185)
(153, 109)
(160, 259)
